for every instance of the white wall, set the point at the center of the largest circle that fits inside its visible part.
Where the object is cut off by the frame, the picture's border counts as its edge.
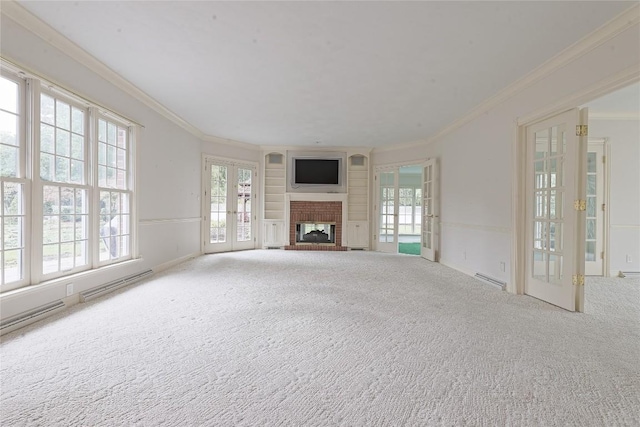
(476, 176)
(624, 198)
(168, 169)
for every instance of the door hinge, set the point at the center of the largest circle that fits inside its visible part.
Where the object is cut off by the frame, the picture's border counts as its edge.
(578, 279)
(604, 159)
(580, 205)
(582, 130)
(602, 255)
(603, 205)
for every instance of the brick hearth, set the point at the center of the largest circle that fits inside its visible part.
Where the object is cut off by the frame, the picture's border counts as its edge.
(319, 212)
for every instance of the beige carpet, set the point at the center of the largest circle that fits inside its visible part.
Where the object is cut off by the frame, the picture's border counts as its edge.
(292, 338)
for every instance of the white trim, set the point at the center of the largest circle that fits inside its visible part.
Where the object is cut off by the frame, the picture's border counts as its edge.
(596, 90)
(627, 226)
(155, 221)
(25, 290)
(489, 228)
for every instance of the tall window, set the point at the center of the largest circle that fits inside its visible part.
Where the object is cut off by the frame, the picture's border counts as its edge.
(63, 172)
(13, 184)
(66, 191)
(115, 192)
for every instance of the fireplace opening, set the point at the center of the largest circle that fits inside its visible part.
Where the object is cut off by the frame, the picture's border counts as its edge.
(311, 232)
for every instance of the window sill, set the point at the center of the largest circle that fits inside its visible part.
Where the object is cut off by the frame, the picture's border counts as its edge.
(25, 290)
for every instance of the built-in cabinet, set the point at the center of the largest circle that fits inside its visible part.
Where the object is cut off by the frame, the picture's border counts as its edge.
(358, 201)
(275, 201)
(274, 204)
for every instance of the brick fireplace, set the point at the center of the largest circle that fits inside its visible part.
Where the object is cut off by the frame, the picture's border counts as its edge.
(319, 212)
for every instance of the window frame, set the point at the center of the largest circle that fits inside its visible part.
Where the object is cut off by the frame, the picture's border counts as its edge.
(22, 177)
(31, 89)
(129, 190)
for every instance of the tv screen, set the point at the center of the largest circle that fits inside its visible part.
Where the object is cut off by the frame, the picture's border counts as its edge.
(317, 171)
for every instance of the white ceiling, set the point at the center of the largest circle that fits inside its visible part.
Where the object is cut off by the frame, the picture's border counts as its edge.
(342, 73)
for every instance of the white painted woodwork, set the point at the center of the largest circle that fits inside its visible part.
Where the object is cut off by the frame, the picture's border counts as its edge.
(229, 212)
(273, 233)
(430, 216)
(553, 225)
(358, 234)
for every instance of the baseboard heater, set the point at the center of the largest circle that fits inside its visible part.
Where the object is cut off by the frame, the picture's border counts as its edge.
(274, 247)
(491, 281)
(29, 316)
(356, 249)
(112, 286)
(629, 274)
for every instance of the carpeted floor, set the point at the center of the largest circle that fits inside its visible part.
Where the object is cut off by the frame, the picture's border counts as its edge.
(321, 339)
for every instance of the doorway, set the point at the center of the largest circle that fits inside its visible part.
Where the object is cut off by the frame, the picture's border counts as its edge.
(406, 202)
(229, 198)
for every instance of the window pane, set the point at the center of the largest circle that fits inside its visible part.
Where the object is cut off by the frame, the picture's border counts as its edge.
(8, 160)
(8, 128)
(77, 147)
(13, 262)
(77, 170)
(63, 115)
(8, 95)
(46, 138)
(46, 166)
(62, 169)
(47, 109)
(102, 130)
(50, 229)
(50, 258)
(111, 133)
(63, 141)
(77, 121)
(13, 194)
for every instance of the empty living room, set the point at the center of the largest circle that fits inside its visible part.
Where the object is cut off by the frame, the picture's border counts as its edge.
(389, 213)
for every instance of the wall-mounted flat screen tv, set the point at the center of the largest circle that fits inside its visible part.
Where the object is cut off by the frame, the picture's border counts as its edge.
(316, 171)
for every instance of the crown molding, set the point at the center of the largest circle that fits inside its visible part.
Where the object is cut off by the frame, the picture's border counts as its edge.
(606, 32)
(601, 88)
(225, 141)
(283, 148)
(35, 25)
(402, 146)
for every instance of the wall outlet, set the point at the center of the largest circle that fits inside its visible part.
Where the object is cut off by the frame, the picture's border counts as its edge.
(629, 260)
(69, 289)
(502, 266)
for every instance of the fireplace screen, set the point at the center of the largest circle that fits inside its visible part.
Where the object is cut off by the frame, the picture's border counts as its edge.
(315, 233)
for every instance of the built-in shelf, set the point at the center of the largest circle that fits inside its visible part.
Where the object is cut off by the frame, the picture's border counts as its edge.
(274, 186)
(358, 188)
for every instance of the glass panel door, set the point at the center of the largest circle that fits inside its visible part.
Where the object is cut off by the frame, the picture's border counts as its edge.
(552, 171)
(594, 233)
(228, 198)
(388, 211)
(429, 209)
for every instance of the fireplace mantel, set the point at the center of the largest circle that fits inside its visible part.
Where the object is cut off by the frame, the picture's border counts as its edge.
(315, 197)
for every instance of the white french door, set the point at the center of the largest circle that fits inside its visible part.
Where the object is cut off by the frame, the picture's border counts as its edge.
(228, 206)
(594, 241)
(429, 246)
(555, 230)
(388, 206)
